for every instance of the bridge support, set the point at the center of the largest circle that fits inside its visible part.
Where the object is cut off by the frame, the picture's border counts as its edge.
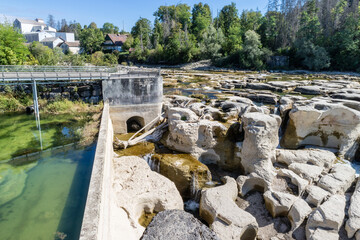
(36, 111)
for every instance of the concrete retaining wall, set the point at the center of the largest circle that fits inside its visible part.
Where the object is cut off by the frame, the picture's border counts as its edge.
(96, 218)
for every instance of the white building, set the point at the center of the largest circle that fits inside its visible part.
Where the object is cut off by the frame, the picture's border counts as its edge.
(37, 30)
(73, 47)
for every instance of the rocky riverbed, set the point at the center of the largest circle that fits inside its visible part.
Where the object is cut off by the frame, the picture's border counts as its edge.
(252, 155)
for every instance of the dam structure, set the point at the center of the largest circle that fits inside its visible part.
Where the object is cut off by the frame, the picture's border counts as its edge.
(134, 96)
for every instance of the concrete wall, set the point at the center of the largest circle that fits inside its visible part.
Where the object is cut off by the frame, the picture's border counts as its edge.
(97, 215)
(133, 95)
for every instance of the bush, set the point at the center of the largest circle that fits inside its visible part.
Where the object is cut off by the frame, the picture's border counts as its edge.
(9, 104)
(312, 56)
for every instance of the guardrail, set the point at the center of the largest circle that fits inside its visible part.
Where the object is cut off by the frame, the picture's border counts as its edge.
(33, 68)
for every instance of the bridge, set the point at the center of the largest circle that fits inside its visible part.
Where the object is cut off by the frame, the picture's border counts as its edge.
(134, 96)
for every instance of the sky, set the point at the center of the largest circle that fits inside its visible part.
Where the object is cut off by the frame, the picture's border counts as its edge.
(119, 12)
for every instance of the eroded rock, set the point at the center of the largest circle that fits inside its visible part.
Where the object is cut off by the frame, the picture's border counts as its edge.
(278, 203)
(339, 179)
(353, 224)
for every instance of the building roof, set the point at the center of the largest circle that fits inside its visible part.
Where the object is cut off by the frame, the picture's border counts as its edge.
(117, 39)
(50, 39)
(73, 44)
(33, 22)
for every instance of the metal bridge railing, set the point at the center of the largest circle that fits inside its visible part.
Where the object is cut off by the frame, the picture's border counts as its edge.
(33, 68)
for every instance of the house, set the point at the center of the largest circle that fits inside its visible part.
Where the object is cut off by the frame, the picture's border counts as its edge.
(37, 30)
(113, 42)
(73, 47)
(52, 42)
(26, 26)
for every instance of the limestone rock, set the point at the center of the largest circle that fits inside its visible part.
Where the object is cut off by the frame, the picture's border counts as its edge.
(183, 114)
(261, 140)
(339, 179)
(316, 195)
(321, 234)
(177, 225)
(318, 157)
(298, 212)
(353, 224)
(197, 108)
(184, 170)
(137, 189)
(278, 203)
(326, 123)
(295, 179)
(330, 216)
(307, 171)
(219, 210)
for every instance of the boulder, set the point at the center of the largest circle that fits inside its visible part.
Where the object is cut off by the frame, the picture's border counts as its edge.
(339, 179)
(295, 179)
(219, 210)
(318, 157)
(137, 190)
(261, 140)
(183, 114)
(322, 233)
(307, 171)
(326, 123)
(353, 224)
(185, 171)
(177, 225)
(298, 212)
(329, 216)
(316, 195)
(278, 203)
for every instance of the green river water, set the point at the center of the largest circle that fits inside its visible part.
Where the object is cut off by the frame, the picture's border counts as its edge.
(43, 198)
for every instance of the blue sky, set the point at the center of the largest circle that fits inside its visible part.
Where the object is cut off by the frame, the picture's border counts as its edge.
(117, 12)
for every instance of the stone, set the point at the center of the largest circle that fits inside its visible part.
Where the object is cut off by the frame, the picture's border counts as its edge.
(353, 223)
(278, 203)
(329, 215)
(310, 90)
(321, 234)
(261, 140)
(298, 212)
(325, 123)
(183, 114)
(307, 171)
(177, 225)
(197, 108)
(185, 171)
(318, 157)
(316, 195)
(138, 190)
(197, 138)
(295, 179)
(339, 179)
(219, 210)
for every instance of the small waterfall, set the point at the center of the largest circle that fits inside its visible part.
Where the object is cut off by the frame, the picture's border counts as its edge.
(153, 164)
(194, 188)
(277, 109)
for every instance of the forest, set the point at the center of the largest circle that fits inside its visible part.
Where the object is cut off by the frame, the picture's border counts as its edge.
(309, 34)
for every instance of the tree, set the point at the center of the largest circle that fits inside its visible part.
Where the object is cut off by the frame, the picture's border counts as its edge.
(43, 54)
(109, 28)
(12, 48)
(228, 16)
(76, 29)
(252, 55)
(93, 25)
(312, 56)
(211, 44)
(233, 42)
(51, 21)
(142, 31)
(201, 19)
(91, 39)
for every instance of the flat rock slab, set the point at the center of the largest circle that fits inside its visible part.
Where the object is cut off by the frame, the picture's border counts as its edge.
(177, 225)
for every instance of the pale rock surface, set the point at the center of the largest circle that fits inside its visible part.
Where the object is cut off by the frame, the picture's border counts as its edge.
(178, 113)
(219, 210)
(278, 203)
(316, 195)
(321, 234)
(326, 123)
(339, 179)
(318, 157)
(330, 216)
(261, 140)
(137, 189)
(295, 179)
(353, 224)
(307, 171)
(298, 212)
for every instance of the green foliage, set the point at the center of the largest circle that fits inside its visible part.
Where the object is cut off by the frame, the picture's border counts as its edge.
(101, 59)
(109, 28)
(211, 44)
(233, 43)
(43, 54)
(91, 39)
(312, 56)
(201, 20)
(227, 17)
(253, 56)
(142, 31)
(9, 104)
(12, 48)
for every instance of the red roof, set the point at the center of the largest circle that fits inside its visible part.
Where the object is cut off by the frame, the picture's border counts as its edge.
(117, 39)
